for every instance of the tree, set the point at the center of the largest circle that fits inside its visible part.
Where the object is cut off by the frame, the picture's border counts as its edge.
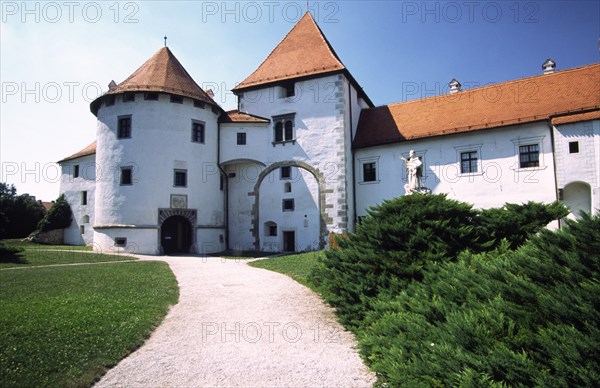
(20, 214)
(58, 217)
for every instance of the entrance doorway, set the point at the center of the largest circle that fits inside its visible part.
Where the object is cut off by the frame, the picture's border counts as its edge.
(176, 235)
(289, 241)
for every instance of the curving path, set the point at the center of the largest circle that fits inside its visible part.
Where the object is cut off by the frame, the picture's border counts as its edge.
(236, 325)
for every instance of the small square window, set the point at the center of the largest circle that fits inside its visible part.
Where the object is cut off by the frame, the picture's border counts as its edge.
(468, 162)
(290, 90)
(126, 175)
(573, 147)
(285, 172)
(199, 104)
(76, 171)
(287, 187)
(197, 132)
(151, 96)
(288, 204)
(273, 230)
(84, 198)
(176, 99)
(128, 97)
(124, 129)
(120, 241)
(241, 138)
(370, 172)
(180, 178)
(110, 100)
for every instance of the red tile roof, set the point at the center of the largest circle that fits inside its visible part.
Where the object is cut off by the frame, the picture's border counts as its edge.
(521, 101)
(89, 150)
(161, 73)
(303, 52)
(595, 115)
(235, 116)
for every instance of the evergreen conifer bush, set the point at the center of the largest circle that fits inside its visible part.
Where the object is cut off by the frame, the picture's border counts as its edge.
(526, 317)
(58, 217)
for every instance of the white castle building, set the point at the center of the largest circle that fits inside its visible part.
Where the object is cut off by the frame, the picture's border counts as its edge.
(306, 153)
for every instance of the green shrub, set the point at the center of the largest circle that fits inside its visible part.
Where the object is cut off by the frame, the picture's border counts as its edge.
(58, 217)
(527, 317)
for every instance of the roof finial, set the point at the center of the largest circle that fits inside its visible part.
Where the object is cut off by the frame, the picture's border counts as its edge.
(165, 41)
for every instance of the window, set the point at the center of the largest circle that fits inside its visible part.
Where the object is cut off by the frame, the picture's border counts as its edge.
(180, 178)
(221, 182)
(76, 171)
(128, 97)
(124, 130)
(288, 205)
(85, 219)
(573, 147)
(81, 229)
(215, 110)
(270, 228)
(285, 172)
(287, 187)
(110, 100)
(177, 99)
(199, 104)
(241, 138)
(369, 172)
(120, 241)
(197, 132)
(290, 90)
(151, 96)
(529, 156)
(126, 175)
(283, 128)
(84, 198)
(468, 162)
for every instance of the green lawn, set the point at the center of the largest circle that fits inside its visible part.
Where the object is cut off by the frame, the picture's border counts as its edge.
(296, 266)
(64, 326)
(30, 245)
(41, 257)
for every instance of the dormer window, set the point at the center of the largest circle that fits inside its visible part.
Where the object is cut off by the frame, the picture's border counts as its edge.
(283, 130)
(177, 99)
(290, 89)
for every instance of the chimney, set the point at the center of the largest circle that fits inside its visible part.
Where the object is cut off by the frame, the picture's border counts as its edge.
(112, 85)
(549, 66)
(454, 86)
(210, 92)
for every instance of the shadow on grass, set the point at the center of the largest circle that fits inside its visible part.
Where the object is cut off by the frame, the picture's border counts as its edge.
(11, 255)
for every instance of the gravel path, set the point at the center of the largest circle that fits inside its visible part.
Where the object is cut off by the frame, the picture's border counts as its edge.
(240, 326)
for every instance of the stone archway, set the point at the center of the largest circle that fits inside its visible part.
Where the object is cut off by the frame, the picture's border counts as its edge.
(177, 230)
(577, 196)
(324, 218)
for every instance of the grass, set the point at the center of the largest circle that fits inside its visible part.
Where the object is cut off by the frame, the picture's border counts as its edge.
(64, 326)
(241, 255)
(41, 257)
(297, 266)
(29, 245)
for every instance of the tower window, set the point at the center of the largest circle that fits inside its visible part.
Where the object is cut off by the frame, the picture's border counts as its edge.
(197, 132)
(128, 97)
(124, 128)
(573, 147)
(287, 187)
(199, 104)
(290, 90)
(180, 178)
(76, 171)
(177, 99)
(84, 198)
(283, 129)
(126, 175)
(285, 172)
(288, 205)
(110, 100)
(151, 96)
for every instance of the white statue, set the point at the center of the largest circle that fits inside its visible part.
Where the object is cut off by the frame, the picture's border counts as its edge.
(413, 165)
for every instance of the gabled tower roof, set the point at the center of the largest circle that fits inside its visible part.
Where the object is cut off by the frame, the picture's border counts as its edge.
(304, 52)
(161, 73)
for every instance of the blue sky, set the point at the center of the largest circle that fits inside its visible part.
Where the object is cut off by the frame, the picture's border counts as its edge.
(55, 57)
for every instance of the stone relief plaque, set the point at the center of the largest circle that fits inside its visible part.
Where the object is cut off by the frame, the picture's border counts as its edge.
(178, 201)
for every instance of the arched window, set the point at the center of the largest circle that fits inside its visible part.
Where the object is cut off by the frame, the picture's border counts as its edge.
(279, 131)
(270, 228)
(289, 130)
(85, 219)
(283, 128)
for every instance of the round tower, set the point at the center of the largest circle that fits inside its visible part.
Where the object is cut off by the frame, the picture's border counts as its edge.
(158, 185)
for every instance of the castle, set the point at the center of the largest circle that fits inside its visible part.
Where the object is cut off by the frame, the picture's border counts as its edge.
(306, 153)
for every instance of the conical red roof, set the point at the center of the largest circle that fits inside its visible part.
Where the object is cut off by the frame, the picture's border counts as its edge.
(303, 52)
